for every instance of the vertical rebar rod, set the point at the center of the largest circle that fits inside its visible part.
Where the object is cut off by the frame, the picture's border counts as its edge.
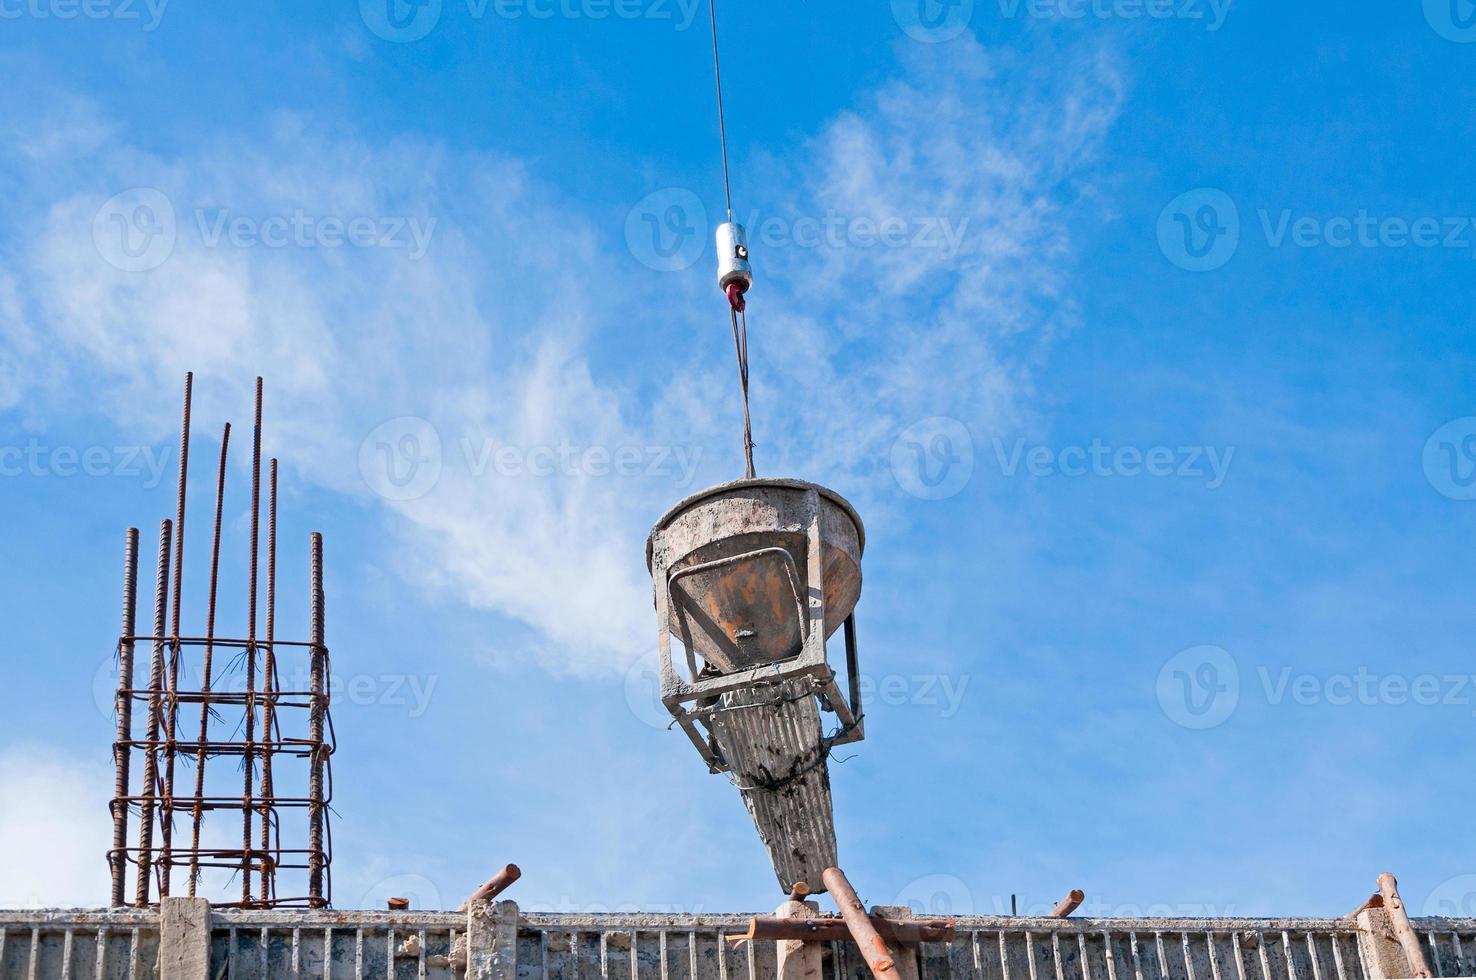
(179, 504)
(269, 698)
(198, 801)
(123, 707)
(248, 751)
(166, 810)
(315, 731)
(151, 737)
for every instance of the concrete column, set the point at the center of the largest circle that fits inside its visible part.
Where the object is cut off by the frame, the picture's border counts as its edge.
(1383, 957)
(492, 941)
(799, 960)
(184, 939)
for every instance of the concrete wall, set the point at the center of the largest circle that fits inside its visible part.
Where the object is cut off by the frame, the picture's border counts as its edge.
(499, 942)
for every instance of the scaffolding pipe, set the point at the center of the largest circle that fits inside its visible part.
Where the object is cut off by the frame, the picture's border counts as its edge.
(863, 933)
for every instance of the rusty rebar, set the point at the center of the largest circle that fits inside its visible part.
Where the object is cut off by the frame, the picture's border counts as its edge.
(179, 504)
(197, 813)
(123, 707)
(166, 809)
(156, 683)
(248, 760)
(264, 737)
(269, 685)
(315, 728)
(873, 947)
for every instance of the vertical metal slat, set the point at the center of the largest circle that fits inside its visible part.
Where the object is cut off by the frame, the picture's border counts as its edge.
(1337, 948)
(1137, 956)
(1107, 951)
(1316, 960)
(100, 957)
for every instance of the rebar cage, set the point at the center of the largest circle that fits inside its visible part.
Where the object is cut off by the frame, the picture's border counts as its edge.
(208, 697)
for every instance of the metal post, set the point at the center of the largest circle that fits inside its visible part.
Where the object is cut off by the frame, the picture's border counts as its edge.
(315, 732)
(151, 736)
(123, 707)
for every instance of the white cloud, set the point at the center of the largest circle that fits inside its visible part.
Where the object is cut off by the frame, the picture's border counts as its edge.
(53, 819)
(487, 337)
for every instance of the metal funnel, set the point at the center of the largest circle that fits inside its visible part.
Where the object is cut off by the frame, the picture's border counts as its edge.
(736, 556)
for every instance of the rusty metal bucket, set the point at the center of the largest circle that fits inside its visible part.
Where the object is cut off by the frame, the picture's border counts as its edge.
(735, 558)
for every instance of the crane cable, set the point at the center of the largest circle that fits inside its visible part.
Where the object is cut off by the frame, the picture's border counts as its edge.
(717, 71)
(737, 306)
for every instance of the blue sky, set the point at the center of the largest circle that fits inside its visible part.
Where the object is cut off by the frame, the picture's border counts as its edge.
(1138, 331)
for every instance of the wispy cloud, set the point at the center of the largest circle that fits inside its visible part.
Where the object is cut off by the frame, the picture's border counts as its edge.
(52, 809)
(490, 489)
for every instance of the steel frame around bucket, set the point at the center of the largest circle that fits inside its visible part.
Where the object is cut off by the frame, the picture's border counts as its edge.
(678, 694)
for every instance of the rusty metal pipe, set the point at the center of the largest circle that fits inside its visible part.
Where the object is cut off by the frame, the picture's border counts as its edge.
(1069, 904)
(1403, 931)
(902, 931)
(496, 885)
(863, 933)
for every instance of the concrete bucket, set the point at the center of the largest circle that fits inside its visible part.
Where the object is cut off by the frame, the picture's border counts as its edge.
(752, 577)
(736, 557)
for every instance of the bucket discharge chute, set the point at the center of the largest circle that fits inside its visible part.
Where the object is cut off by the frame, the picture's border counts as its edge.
(751, 578)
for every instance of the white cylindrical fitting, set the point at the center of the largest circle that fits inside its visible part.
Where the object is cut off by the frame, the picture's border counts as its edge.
(732, 253)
